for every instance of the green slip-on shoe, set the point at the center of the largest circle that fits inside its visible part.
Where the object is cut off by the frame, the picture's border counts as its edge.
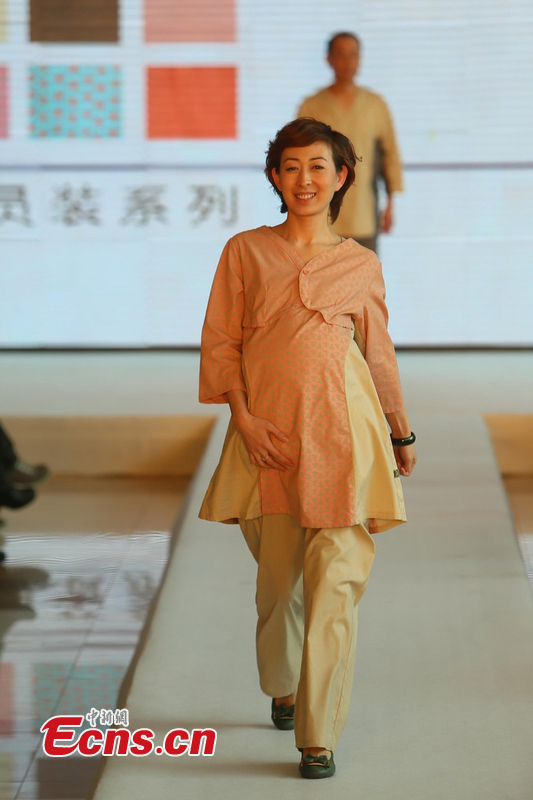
(282, 716)
(317, 766)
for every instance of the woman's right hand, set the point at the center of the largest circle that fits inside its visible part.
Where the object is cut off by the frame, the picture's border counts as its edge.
(256, 433)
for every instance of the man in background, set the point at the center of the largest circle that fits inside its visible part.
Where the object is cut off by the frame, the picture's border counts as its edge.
(363, 116)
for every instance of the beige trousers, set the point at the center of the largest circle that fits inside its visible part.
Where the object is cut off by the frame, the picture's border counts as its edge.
(309, 582)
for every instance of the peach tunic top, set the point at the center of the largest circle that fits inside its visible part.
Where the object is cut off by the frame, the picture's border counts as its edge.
(283, 331)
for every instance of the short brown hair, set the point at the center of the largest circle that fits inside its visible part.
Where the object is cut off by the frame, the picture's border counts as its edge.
(302, 132)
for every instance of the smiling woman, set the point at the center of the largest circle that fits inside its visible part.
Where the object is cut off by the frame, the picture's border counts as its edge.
(308, 469)
(308, 178)
(311, 146)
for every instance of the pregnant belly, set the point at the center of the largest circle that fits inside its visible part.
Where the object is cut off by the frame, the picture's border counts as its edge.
(295, 366)
(295, 373)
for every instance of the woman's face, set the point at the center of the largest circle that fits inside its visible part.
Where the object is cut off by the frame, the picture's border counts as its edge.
(307, 179)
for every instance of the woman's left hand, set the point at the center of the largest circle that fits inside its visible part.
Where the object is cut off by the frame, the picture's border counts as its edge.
(405, 459)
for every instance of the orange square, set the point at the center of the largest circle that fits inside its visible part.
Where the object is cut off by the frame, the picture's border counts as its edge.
(192, 102)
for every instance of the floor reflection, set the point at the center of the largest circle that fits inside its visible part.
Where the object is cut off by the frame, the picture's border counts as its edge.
(71, 610)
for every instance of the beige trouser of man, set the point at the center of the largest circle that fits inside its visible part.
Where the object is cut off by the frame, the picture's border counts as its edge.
(309, 582)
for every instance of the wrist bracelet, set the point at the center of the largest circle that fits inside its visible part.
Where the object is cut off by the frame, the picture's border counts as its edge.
(403, 442)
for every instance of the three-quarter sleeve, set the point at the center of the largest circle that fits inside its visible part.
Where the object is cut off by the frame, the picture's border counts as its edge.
(221, 346)
(392, 165)
(379, 350)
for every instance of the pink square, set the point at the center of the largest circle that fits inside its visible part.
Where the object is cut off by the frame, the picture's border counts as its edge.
(190, 20)
(3, 103)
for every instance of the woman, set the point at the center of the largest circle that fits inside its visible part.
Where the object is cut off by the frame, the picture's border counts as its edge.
(295, 340)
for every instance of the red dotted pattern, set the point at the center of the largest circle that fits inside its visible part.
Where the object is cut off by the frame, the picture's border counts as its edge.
(292, 324)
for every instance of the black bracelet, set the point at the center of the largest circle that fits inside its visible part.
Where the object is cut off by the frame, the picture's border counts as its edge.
(403, 442)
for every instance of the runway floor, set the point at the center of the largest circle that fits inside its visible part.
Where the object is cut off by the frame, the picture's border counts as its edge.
(441, 705)
(73, 601)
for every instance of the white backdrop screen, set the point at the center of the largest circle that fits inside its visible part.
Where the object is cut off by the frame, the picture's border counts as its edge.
(132, 139)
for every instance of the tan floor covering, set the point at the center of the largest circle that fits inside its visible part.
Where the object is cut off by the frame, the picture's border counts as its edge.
(442, 702)
(68, 504)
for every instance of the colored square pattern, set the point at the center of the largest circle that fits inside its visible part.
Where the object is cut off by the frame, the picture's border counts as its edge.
(94, 686)
(192, 102)
(47, 684)
(75, 102)
(74, 20)
(189, 20)
(3, 103)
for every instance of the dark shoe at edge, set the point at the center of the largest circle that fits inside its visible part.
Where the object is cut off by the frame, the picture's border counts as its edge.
(13, 497)
(317, 766)
(26, 475)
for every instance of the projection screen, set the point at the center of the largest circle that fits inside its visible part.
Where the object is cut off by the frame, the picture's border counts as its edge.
(132, 139)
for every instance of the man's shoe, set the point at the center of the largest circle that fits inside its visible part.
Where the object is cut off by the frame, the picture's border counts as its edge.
(26, 474)
(317, 766)
(282, 716)
(13, 497)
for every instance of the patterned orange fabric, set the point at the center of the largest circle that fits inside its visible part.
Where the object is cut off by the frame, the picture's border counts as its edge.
(280, 329)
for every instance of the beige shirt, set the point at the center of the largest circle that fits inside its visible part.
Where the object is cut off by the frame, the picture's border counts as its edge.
(368, 124)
